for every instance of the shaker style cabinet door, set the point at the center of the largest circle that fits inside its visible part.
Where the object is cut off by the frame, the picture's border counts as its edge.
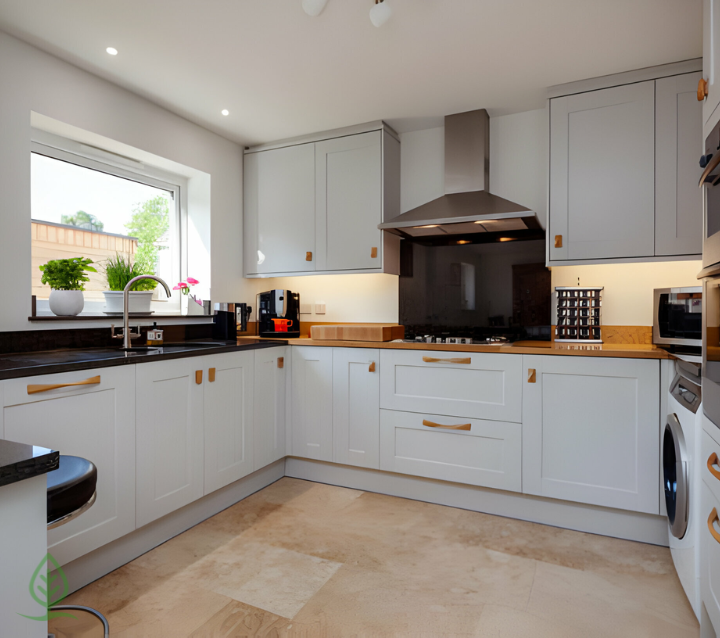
(169, 423)
(591, 431)
(602, 174)
(711, 59)
(95, 421)
(228, 417)
(272, 366)
(279, 210)
(312, 400)
(356, 406)
(349, 202)
(678, 145)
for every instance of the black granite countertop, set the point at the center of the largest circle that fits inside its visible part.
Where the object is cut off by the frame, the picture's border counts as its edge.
(13, 366)
(19, 461)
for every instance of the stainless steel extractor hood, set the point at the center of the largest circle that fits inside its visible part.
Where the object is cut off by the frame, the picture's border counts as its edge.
(468, 207)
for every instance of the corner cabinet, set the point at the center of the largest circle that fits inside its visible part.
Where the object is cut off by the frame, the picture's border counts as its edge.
(314, 205)
(272, 404)
(624, 171)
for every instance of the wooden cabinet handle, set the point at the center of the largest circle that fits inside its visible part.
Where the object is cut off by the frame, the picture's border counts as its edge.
(466, 361)
(531, 375)
(558, 241)
(308, 256)
(35, 389)
(372, 367)
(702, 91)
(198, 376)
(281, 362)
(712, 519)
(464, 426)
(711, 463)
(373, 252)
(211, 375)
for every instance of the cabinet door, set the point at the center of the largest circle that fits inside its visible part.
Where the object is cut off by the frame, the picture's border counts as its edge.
(710, 554)
(711, 57)
(228, 417)
(280, 210)
(271, 379)
(349, 202)
(678, 144)
(356, 406)
(591, 431)
(96, 422)
(602, 174)
(312, 428)
(169, 418)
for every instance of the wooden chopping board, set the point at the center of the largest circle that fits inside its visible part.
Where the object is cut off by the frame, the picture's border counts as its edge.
(358, 332)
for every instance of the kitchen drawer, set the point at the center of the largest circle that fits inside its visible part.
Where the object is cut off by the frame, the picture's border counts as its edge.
(463, 384)
(97, 380)
(486, 454)
(710, 460)
(710, 552)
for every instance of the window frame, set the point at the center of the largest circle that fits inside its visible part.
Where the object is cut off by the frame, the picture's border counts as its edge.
(97, 159)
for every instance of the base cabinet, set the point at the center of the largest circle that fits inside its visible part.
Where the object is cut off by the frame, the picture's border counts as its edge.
(591, 431)
(272, 368)
(312, 397)
(96, 422)
(356, 406)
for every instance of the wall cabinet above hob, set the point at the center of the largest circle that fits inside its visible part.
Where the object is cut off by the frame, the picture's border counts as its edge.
(624, 170)
(313, 205)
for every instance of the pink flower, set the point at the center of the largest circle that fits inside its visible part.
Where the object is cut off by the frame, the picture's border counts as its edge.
(182, 285)
(192, 281)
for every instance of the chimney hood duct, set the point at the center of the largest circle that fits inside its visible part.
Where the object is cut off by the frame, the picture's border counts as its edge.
(467, 207)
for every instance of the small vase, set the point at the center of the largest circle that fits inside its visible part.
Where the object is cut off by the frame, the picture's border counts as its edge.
(66, 303)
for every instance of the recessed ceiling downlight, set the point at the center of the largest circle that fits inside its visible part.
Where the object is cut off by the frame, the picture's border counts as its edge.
(225, 112)
(112, 50)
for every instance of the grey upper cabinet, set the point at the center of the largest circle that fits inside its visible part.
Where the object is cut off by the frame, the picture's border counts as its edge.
(624, 167)
(711, 63)
(313, 205)
(678, 200)
(602, 166)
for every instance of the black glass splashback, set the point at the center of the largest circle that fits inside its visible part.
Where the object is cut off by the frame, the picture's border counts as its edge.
(476, 290)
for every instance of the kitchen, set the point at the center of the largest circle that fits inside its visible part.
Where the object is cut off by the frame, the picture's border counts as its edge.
(298, 483)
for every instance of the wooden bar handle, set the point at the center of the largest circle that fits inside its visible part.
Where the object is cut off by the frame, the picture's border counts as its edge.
(211, 375)
(464, 426)
(558, 241)
(466, 361)
(712, 519)
(308, 256)
(372, 367)
(198, 376)
(281, 362)
(34, 389)
(711, 463)
(702, 91)
(373, 252)
(531, 375)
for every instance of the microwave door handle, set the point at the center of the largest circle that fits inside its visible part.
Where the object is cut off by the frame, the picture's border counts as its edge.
(712, 165)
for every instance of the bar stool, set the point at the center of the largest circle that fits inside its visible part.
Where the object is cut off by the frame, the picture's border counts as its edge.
(71, 490)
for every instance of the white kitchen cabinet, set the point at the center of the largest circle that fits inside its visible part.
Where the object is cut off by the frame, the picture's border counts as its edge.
(312, 400)
(228, 393)
(678, 145)
(462, 384)
(169, 426)
(279, 210)
(272, 367)
(591, 431)
(710, 528)
(711, 60)
(356, 406)
(602, 174)
(94, 421)
(472, 451)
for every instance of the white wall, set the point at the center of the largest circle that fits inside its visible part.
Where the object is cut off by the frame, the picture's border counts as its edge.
(34, 81)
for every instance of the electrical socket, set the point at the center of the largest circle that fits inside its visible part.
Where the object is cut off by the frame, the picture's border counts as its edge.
(319, 308)
(305, 308)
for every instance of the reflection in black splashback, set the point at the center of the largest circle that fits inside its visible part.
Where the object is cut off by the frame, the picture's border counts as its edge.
(476, 290)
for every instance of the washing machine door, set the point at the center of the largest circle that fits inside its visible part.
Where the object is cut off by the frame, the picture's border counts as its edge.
(675, 476)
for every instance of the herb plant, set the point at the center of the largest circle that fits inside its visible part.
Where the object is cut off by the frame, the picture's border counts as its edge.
(120, 270)
(67, 274)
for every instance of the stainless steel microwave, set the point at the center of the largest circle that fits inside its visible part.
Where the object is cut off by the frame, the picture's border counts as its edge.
(677, 316)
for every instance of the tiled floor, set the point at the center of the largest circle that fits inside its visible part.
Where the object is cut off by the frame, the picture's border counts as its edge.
(304, 559)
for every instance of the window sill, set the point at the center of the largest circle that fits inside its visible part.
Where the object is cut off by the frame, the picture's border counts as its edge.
(133, 317)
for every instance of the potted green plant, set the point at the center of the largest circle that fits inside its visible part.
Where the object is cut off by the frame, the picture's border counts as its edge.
(119, 270)
(66, 278)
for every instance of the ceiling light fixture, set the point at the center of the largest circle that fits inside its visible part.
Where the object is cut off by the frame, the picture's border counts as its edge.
(112, 50)
(225, 112)
(380, 13)
(313, 7)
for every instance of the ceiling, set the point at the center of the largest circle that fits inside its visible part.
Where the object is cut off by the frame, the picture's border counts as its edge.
(281, 73)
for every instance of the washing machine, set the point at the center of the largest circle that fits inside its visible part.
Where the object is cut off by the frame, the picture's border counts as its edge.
(681, 475)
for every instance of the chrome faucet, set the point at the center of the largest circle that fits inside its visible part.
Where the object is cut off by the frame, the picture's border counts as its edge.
(126, 335)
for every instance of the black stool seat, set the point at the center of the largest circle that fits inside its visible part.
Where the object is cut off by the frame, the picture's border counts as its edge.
(70, 488)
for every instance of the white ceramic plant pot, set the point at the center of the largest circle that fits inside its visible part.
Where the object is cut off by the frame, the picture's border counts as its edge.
(139, 301)
(66, 303)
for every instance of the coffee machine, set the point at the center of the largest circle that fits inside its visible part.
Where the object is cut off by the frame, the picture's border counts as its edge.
(229, 319)
(278, 313)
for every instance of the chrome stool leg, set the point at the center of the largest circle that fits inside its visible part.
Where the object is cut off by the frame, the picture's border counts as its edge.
(89, 610)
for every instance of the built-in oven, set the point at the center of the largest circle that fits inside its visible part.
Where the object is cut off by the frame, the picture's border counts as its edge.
(677, 318)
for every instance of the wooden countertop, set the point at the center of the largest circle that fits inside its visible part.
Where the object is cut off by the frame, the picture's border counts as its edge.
(626, 351)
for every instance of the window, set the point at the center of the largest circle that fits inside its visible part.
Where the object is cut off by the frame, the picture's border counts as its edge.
(83, 207)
